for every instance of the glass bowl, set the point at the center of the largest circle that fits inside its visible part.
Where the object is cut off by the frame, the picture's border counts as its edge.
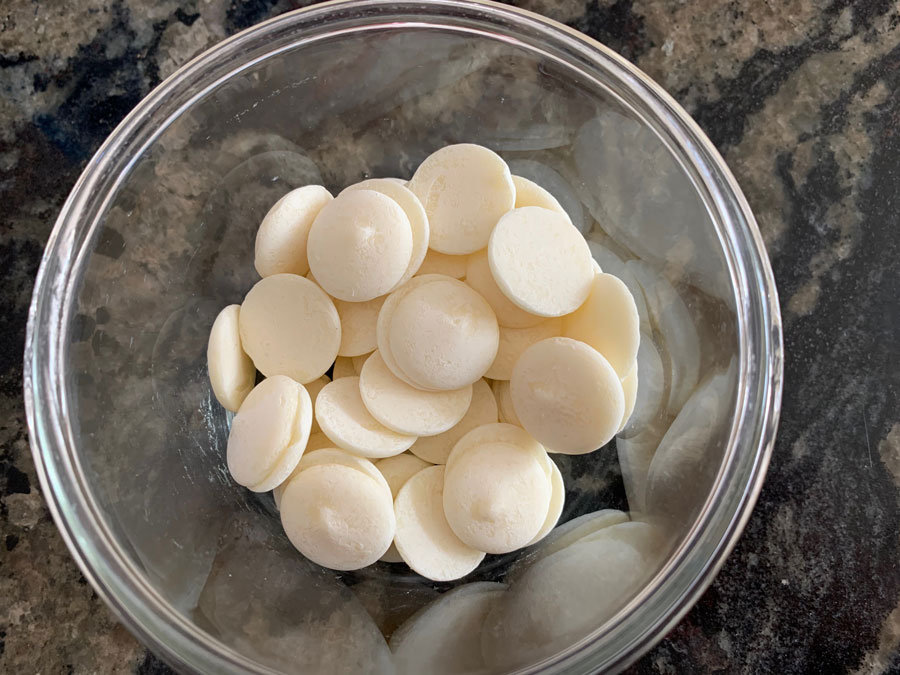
(157, 236)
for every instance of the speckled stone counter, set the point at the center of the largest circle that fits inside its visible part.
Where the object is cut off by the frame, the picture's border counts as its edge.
(801, 98)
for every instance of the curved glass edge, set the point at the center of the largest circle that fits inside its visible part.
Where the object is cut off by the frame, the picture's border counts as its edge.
(115, 578)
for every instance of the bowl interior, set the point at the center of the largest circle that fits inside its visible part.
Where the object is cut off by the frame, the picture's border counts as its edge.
(172, 243)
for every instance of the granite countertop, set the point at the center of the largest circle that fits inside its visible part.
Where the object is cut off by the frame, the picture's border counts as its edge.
(801, 99)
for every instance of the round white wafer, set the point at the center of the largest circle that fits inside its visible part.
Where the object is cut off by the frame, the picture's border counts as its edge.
(505, 409)
(465, 189)
(514, 342)
(343, 417)
(413, 209)
(557, 501)
(330, 529)
(383, 325)
(282, 236)
(269, 433)
(540, 261)
(482, 410)
(567, 396)
(231, 372)
(408, 410)
(397, 470)
(289, 326)
(443, 335)
(360, 245)
(499, 432)
(330, 455)
(529, 193)
(496, 497)
(313, 388)
(423, 537)
(609, 322)
(441, 263)
(478, 276)
(358, 325)
(343, 367)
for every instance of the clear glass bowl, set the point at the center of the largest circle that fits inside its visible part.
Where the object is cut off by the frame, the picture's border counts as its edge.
(157, 235)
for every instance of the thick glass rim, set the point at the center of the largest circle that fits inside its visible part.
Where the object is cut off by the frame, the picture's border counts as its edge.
(689, 570)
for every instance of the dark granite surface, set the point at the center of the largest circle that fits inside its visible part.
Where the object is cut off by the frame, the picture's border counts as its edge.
(801, 98)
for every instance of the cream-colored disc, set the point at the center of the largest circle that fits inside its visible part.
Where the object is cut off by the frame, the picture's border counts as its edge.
(514, 342)
(529, 193)
(423, 537)
(465, 189)
(557, 501)
(441, 263)
(412, 207)
(330, 529)
(567, 396)
(313, 388)
(383, 325)
(609, 322)
(231, 372)
(443, 335)
(404, 408)
(505, 409)
(269, 433)
(540, 261)
(282, 236)
(358, 321)
(479, 277)
(343, 367)
(343, 417)
(482, 410)
(360, 245)
(496, 497)
(289, 326)
(397, 470)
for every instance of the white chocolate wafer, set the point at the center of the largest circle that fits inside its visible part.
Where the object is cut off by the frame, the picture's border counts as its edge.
(499, 432)
(529, 193)
(358, 325)
(423, 537)
(478, 276)
(496, 497)
(465, 189)
(289, 326)
(360, 245)
(413, 209)
(330, 529)
(282, 236)
(482, 410)
(540, 261)
(557, 501)
(397, 470)
(269, 433)
(327, 454)
(443, 335)
(609, 322)
(343, 367)
(441, 263)
(343, 417)
(408, 410)
(383, 325)
(313, 388)
(514, 342)
(505, 409)
(231, 372)
(567, 396)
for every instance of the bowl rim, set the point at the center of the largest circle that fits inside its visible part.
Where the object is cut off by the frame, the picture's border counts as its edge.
(116, 578)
